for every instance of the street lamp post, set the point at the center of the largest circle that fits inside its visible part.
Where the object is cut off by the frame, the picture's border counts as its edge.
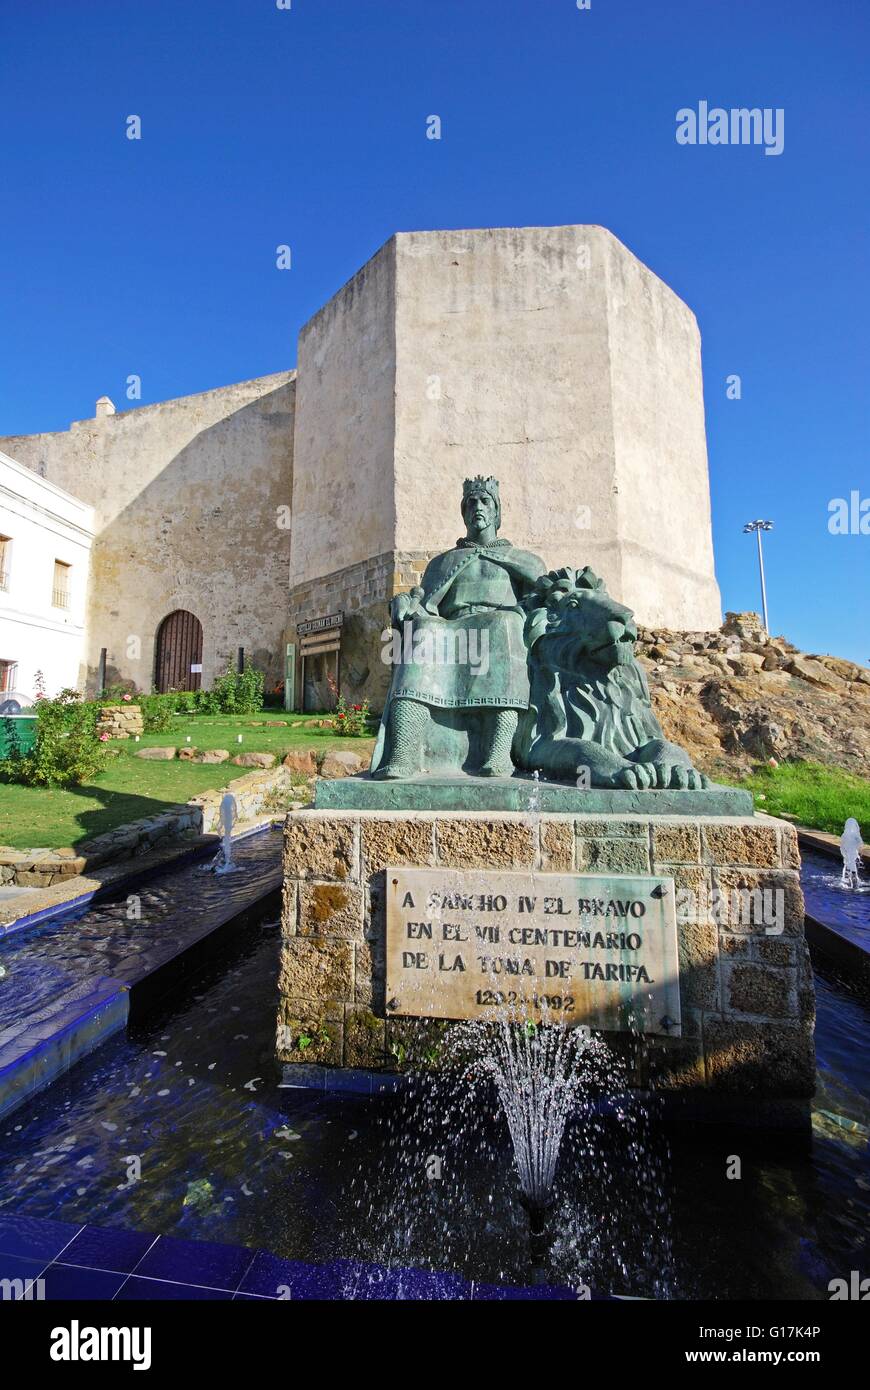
(758, 527)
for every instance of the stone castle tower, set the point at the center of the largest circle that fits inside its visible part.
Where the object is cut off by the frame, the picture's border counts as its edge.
(549, 357)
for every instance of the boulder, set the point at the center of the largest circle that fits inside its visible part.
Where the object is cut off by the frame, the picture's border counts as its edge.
(847, 670)
(764, 737)
(157, 755)
(254, 760)
(187, 753)
(302, 760)
(808, 669)
(212, 755)
(775, 680)
(694, 663)
(745, 665)
(341, 765)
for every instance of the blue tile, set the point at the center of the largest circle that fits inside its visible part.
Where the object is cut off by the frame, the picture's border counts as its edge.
(68, 1281)
(14, 1267)
(377, 1283)
(33, 1238)
(533, 1293)
(387, 1084)
(196, 1262)
(114, 1250)
(303, 1075)
(351, 1079)
(160, 1290)
(269, 1273)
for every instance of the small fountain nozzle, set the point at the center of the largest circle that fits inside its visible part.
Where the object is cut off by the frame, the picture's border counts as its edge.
(537, 1210)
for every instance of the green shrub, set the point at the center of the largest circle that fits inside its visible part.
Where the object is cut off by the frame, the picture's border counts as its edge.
(113, 694)
(249, 690)
(67, 752)
(235, 692)
(351, 721)
(158, 712)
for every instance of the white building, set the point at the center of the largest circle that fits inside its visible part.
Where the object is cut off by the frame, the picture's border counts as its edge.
(45, 544)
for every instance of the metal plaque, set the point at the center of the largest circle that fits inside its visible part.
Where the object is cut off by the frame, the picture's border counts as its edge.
(593, 949)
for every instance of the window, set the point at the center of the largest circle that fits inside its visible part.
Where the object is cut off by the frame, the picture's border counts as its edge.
(8, 676)
(60, 588)
(5, 560)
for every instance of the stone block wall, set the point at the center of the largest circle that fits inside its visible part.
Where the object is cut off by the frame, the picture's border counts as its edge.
(192, 500)
(120, 721)
(746, 991)
(363, 593)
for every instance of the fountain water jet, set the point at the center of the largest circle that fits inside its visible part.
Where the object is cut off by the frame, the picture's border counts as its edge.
(540, 1072)
(223, 860)
(850, 848)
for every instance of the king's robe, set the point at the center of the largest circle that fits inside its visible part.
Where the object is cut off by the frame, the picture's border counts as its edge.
(460, 635)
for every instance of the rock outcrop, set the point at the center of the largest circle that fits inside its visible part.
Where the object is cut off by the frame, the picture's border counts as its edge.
(737, 696)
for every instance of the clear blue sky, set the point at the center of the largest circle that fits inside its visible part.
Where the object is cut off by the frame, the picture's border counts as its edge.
(264, 126)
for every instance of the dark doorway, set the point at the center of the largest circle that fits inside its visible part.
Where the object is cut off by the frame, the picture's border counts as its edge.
(179, 651)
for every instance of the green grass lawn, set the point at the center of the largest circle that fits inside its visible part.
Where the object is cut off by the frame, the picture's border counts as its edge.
(132, 787)
(821, 798)
(268, 732)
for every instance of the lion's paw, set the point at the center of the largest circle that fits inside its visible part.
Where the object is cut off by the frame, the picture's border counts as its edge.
(636, 776)
(679, 777)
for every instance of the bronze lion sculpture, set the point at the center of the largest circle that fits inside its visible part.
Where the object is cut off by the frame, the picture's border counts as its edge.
(590, 717)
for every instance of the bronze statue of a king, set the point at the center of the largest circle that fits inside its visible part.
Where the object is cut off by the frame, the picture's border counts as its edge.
(460, 677)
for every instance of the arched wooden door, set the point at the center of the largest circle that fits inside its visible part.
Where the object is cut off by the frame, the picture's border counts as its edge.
(179, 648)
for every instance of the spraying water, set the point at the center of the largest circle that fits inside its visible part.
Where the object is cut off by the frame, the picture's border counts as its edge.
(850, 848)
(516, 1151)
(538, 1072)
(228, 815)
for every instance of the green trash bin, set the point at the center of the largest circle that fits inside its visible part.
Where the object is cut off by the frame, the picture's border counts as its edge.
(17, 731)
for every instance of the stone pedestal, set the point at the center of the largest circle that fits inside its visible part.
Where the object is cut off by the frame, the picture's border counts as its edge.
(746, 989)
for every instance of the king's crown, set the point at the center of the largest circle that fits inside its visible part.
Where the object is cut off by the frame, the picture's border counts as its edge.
(480, 487)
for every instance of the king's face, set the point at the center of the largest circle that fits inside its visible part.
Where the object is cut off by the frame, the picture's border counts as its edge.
(479, 512)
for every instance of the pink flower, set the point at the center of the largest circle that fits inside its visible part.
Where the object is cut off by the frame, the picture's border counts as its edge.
(104, 738)
(126, 697)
